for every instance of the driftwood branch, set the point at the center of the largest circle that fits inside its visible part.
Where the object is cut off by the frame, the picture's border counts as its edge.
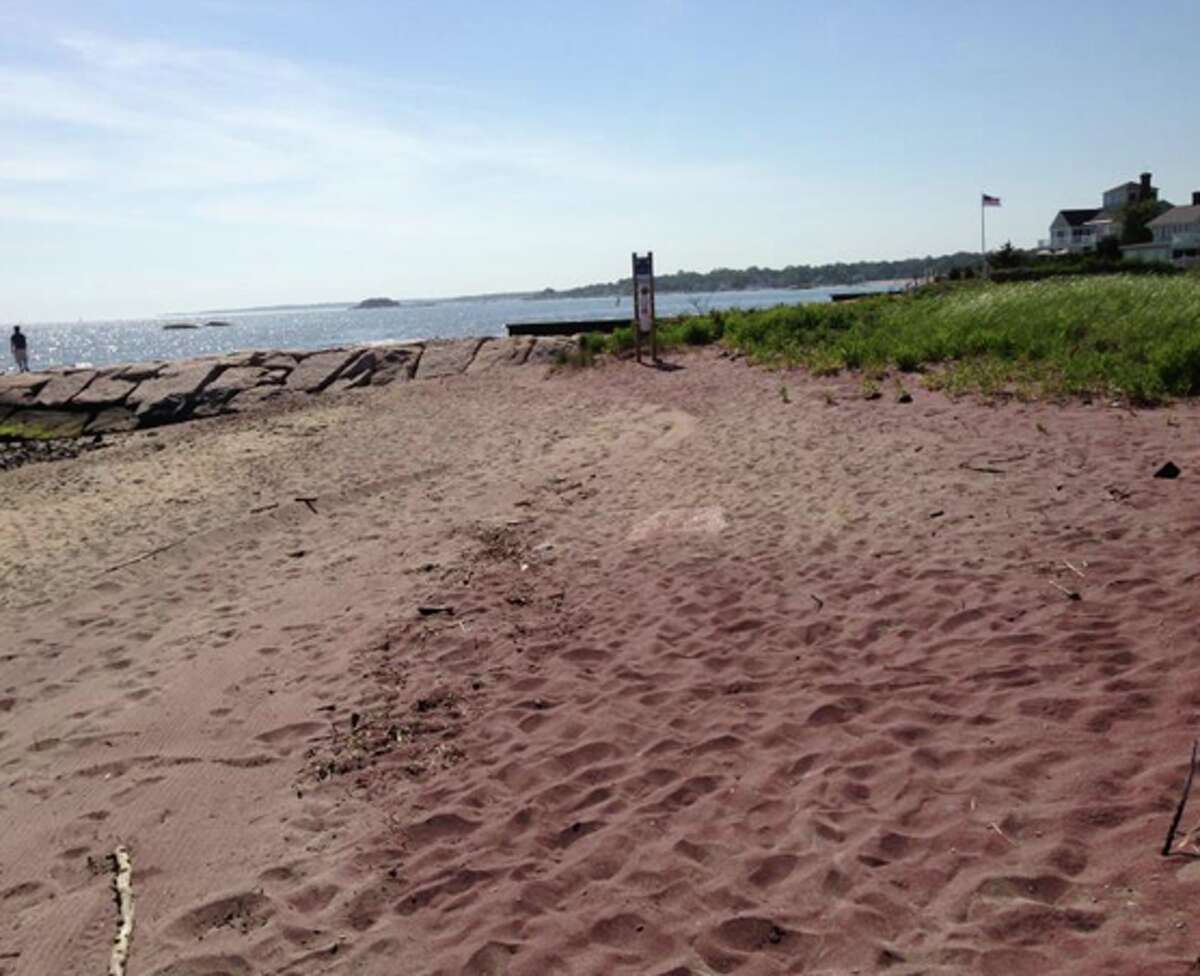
(147, 555)
(123, 889)
(1187, 789)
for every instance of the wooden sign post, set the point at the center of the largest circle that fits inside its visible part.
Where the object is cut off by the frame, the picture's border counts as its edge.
(643, 304)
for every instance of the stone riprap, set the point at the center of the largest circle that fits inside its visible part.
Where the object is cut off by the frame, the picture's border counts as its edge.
(75, 402)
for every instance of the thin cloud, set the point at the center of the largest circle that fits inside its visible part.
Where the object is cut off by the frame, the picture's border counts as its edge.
(157, 121)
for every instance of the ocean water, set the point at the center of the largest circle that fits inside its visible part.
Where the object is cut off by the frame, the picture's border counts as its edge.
(54, 344)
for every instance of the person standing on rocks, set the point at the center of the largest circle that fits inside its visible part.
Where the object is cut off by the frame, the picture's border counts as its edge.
(20, 349)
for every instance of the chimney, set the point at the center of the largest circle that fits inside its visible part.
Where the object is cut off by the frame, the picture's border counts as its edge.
(1145, 182)
(1196, 198)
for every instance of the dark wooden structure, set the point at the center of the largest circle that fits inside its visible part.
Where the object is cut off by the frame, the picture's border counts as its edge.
(849, 296)
(566, 327)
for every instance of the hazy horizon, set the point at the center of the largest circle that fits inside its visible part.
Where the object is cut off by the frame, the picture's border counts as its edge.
(225, 154)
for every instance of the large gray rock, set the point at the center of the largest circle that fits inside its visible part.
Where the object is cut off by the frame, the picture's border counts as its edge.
(20, 389)
(551, 349)
(501, 352)
(446, 357)
(104, 391)
(208, 403)
(315, 372)
(112, 420)
(173, 394)
(63, 386)
(35, 424)
(380, 365)
(137, 372)
(278, 360)
(242, 378)
(269, 394)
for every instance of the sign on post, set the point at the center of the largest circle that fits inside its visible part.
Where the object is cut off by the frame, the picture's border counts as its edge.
(643, 303)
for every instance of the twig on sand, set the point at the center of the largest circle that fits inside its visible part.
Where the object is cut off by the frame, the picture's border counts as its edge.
(264, 508)
(429, 610)
(1187, 788)
(123, 889)
(996, 828)
(1071, 594)
(1073, 569)
(988, 469)
(308, 500)
(147, 555)
(820, 602)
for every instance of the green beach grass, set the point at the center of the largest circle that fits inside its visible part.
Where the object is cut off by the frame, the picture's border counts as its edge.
(1135, 337)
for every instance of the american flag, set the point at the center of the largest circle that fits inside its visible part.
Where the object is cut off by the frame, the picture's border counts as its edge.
(990, 201)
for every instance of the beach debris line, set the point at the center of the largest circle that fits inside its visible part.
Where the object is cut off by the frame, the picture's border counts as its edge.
(1187, 789)
(1170, 471)
(123, 889)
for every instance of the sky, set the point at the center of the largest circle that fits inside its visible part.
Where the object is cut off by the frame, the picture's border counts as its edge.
(161, 156)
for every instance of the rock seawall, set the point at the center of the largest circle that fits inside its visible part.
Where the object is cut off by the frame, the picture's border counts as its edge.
(77, 402)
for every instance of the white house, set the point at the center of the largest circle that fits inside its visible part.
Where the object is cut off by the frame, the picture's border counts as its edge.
(1069, 231)
(1176, 237)
(1081, 230)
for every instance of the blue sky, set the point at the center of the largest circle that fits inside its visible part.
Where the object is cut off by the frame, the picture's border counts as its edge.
(166, 155)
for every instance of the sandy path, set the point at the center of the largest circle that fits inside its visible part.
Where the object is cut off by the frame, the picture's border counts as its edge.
(731, 684)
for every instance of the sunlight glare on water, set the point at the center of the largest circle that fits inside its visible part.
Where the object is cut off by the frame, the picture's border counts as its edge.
(145, 340)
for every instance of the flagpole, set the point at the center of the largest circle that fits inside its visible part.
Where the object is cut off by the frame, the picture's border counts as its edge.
(982, 238)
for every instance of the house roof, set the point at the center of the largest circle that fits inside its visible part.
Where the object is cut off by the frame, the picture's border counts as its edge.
(1177, 215)
(1123, 186)
(1103, 217)
(1077, 218)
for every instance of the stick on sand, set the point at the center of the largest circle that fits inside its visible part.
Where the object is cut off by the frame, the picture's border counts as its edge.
(123, 887)
(1187, 788)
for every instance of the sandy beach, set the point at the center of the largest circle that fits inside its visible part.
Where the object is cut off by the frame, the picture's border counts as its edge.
(620, 670)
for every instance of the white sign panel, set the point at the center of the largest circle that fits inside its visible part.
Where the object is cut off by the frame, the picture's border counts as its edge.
(643, 287)
(645, 308)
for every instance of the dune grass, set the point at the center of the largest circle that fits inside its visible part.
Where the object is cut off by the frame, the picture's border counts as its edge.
(1136, 337)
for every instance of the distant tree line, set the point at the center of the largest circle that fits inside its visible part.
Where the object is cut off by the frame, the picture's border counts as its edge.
(793, 276)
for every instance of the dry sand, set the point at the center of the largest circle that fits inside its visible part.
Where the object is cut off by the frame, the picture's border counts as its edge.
(730, 684)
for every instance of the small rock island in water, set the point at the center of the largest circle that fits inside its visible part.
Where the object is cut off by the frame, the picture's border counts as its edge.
(378, 303)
